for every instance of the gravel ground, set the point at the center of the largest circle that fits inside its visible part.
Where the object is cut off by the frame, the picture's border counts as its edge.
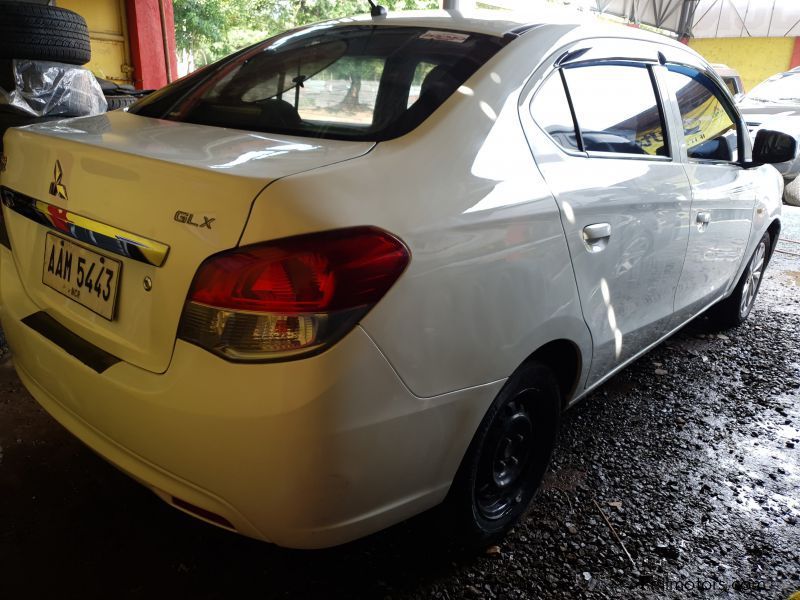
(679, 478)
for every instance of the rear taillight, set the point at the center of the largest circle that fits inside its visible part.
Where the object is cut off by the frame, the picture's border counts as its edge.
(291, 297)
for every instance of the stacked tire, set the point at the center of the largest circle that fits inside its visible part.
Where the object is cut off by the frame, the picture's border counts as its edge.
(41, 32)
(47, 33)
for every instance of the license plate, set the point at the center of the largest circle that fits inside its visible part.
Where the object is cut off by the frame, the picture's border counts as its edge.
(87, 277)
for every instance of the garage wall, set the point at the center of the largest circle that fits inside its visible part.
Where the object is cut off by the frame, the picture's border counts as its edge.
(754, 58)
(152, 69)
(108, 32)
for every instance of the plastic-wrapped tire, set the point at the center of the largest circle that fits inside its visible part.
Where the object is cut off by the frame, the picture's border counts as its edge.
(791, 193)
(41, 32)
(115, 102)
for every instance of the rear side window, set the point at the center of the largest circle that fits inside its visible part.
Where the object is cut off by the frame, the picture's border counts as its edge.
(616, 109)
(550, 108)
(361, 82)
(709, 129)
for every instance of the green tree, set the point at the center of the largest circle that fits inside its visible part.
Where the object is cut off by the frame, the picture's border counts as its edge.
(210, 29)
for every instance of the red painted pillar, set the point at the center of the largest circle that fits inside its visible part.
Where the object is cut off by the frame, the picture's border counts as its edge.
(795, 62)
(149, 38)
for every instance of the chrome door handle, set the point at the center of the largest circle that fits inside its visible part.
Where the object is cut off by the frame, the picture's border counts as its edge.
(596, 236)
(703, 219)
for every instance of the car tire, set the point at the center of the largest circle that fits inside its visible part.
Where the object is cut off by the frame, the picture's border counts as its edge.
(735, 309)
(791, 193)
(506, 460)
(116, 102)
(41, 32)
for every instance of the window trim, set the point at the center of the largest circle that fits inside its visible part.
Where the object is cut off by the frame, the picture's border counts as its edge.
(635, 63)
(556, 72)
(575, 124)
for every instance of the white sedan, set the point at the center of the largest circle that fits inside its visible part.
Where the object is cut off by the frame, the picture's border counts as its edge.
(359, 269)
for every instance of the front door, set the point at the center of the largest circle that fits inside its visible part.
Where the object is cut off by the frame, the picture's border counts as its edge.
(624, 201)
(723, 193)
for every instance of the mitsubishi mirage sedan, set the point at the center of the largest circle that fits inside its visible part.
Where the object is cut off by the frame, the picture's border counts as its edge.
(358, 270)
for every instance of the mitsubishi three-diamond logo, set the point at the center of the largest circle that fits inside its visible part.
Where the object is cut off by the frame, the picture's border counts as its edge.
(58, 189)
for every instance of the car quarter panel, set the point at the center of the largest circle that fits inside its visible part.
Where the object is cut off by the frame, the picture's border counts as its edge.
(490, 279)
(308, 453)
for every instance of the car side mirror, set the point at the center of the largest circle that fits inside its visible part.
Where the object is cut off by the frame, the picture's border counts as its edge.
(773, 147)
(738, 97)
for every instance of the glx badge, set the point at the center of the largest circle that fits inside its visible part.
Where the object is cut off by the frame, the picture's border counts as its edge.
(58, 189)
(184, 217)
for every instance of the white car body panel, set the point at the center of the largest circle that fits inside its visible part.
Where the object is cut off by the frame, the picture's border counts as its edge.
(715, 251)
(113, 165)
(475, 244)
(319, 451)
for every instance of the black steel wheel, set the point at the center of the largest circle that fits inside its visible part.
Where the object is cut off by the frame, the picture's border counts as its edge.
(506, 459)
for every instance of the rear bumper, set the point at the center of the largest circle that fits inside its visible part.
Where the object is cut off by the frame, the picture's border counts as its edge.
(309, 453)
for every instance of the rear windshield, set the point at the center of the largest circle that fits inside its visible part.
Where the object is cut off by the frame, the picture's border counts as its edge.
(353, 83)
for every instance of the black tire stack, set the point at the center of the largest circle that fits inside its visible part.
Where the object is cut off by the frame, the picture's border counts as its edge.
(37, 32)
(41, 32)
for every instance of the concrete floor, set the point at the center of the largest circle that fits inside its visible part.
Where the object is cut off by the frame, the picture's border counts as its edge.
(696, 471)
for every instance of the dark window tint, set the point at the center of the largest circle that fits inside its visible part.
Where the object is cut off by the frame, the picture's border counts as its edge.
(353, 82)
(550, 109)
(616, 109)
(709, 130)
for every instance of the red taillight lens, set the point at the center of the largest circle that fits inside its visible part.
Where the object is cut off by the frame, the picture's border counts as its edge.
(291, 296)
(309, 273)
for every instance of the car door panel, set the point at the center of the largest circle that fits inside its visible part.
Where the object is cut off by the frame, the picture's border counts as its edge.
(627, 288)
(625, 212)
(723, 192)
(726, 196)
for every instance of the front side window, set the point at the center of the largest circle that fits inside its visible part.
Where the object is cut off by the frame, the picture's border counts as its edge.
(360, 82)
(616, 109)
(709, 129)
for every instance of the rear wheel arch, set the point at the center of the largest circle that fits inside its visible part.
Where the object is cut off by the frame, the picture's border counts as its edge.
(563, 357)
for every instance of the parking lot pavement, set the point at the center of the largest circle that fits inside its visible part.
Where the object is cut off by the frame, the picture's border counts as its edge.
(679, 478)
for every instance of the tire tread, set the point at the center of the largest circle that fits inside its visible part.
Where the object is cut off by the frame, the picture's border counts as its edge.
(41, 32)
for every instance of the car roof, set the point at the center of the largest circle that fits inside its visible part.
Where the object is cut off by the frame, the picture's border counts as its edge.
(497, 23)
(500, 23)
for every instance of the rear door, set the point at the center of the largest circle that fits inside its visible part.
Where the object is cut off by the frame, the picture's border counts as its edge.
(723, 193)
(623, 199)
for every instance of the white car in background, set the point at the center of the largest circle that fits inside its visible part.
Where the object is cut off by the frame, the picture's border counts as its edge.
(305, 314)
(774, 104)
(731, 78)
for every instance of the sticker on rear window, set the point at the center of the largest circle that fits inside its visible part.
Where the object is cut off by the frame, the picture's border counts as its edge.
(444, 36)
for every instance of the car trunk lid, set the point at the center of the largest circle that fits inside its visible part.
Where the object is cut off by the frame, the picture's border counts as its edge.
(157, 196)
